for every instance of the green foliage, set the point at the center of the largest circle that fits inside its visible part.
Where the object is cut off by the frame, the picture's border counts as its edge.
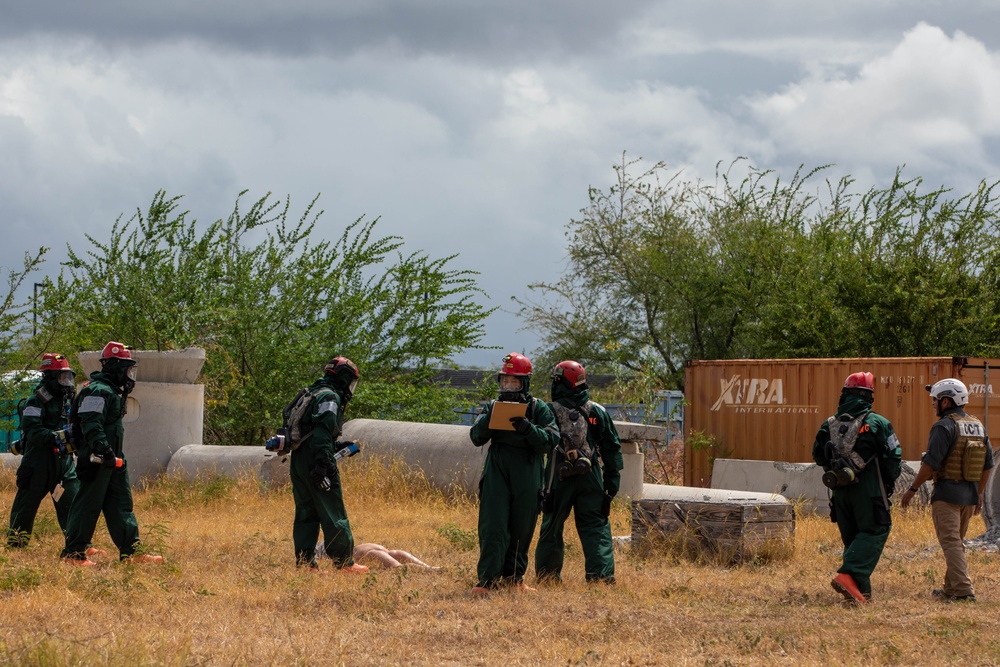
(461, 539)
(270, 304)
(699, 441)
(407, 397)
(14, 577)
(16, 317)
(663, 270)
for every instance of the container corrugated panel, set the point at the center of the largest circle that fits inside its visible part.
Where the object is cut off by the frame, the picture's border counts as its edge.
(770, 409)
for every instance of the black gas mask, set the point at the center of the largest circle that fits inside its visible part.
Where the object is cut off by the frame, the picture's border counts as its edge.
(60, 383)
(122, 375)
(346, 383)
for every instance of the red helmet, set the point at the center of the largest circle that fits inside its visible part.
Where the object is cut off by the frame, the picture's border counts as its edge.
(515, 364)
(341, 364)
(54, 362)
(114, 350)
(570, 372)
(860, 381)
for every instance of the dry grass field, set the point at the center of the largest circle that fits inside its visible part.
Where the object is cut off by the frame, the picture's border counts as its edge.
(228, 594)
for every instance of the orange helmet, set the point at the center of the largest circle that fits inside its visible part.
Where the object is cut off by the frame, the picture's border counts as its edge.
(571, 373)
(115, 350)
(860, 381)
(54, 362)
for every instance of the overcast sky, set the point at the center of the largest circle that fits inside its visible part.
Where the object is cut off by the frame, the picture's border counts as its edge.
(470, 127)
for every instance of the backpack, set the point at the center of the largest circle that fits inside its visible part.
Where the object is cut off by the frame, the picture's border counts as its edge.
(574, 424)
(843, 436)
(294, 414)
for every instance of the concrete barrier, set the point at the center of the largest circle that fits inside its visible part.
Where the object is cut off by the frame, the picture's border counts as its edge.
(443, 452)
(800, 482)
(9, 460)
(713, 495)
(633, 437)
(192, 462)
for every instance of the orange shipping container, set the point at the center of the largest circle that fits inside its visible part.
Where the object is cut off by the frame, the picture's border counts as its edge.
(770, 409)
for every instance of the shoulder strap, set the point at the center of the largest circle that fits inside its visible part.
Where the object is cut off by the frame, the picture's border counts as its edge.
(287, 412)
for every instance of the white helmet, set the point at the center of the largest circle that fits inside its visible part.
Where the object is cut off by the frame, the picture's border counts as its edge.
(950, 388)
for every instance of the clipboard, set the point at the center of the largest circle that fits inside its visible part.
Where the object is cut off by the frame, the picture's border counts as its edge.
(503, 411)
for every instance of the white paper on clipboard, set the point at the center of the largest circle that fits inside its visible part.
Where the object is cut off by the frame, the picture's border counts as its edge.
(503, 411)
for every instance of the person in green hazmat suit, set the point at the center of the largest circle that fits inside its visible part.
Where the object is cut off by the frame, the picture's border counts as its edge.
(583, 476)
(512, 478)
(104, 484)
(316, 488)
(861, 458)
(47, 465)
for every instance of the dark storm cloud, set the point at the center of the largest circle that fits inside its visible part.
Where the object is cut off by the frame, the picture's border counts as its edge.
(506, 30)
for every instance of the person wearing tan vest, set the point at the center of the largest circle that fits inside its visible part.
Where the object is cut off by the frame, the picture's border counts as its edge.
(959, 458)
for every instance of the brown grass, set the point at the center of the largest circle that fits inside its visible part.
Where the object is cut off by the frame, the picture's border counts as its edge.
(229, 595)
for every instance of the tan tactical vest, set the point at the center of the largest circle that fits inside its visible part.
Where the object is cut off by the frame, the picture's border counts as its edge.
(967, 458)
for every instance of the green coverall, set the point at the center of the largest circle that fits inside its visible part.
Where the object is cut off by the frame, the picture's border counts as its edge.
(42, 468)
(584, 495)
(859, 509)
(508, 492)
(313, 506)
(102, 489)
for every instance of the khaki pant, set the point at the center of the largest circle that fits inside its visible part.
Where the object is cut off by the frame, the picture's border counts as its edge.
(951, 522)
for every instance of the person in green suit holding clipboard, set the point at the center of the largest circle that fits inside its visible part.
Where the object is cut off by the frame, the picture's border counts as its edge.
(512, 476)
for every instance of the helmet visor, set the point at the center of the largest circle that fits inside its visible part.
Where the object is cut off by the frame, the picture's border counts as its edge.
(510, 384)
(66, 378)
(352, 386)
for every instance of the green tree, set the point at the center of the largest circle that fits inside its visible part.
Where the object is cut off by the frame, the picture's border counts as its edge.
(270, 303)
(663, 270)
(16, 351)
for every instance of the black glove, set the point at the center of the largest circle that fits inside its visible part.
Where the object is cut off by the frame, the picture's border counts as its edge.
(606, 506)
(108, 458)
(521, 424)
(320, 476)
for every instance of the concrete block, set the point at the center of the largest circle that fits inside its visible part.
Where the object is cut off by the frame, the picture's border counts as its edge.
(161, 419)
(640, 432)
(801, 482)
(171, 366)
